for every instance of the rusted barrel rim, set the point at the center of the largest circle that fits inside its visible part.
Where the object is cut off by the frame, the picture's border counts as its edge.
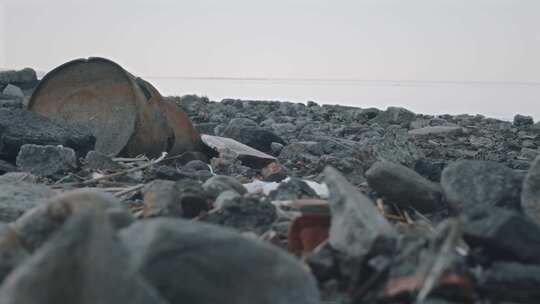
(57, 70)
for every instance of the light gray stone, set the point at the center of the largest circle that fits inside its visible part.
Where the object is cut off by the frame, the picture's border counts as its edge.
(215, 264)
(357, 227)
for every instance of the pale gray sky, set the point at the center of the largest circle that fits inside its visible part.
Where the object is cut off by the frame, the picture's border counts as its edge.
(464, 40)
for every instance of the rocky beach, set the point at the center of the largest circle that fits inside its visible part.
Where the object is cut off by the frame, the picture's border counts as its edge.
(276, 202)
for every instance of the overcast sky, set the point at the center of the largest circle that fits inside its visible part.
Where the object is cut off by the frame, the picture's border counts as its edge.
(464, 40)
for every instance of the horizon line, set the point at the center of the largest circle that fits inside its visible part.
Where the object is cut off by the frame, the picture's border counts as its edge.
(307, 79)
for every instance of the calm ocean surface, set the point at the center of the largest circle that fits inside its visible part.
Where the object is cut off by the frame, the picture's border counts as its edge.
(500, 100)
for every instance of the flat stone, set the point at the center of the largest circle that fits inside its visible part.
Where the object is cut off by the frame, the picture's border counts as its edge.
(357, 227)
(20, 127)
(437, 131)
(471, 184)
(24, 78)
(83, 263)
(216, 265)
(248, 155)
(405, 187)
(18, 197)
(46, 160)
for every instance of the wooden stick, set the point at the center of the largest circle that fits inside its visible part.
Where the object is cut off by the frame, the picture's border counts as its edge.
(129, 190)
(119, 173)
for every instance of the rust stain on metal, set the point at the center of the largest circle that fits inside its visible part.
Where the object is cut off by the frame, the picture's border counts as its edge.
(127, 115)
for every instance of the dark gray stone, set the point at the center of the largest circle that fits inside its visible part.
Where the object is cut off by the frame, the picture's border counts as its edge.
(83, 263)
(405, 187)
(18, 197)
(292, 189)
(46, 160)
(395, 116)
(220, 183)
(216, 265)
(98, 161)
(530, 195)
(245, 214)
(20, 127)
(357, 227)
(395, 147)
(196, 165)
(504, 234)
(6, 167)
(36, 226)
(522, 120)
(11, 103)
(25, 78)
(510, 283)
(249, 133)
(177, 199)
(480, 184)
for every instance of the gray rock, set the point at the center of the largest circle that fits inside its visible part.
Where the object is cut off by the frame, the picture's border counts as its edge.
(301, 150)
(18, 197)
(437, 131)
(481, 184)
(177, 199)
(83, 263)
(36, 226)
(220, 183)
(292, 189)
(25, 78)
(6, 167)
(395, 116)
(504, 235)
(245, 214)
(510, 283)
(529, 154)
(196, 165)
(357, 227)
(395, 147)
(98, 161)
(13, 91)
(11, 103)
(15, 177)
(46, 160)
(20, 127)
(226, 198)
(522, 121)
(249, 133)
(276, 148)
(12, 253)
(405, 187)
(216, 264)
(530, 195)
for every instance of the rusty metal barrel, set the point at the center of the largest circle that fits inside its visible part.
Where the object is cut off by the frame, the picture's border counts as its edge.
(126, 114)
